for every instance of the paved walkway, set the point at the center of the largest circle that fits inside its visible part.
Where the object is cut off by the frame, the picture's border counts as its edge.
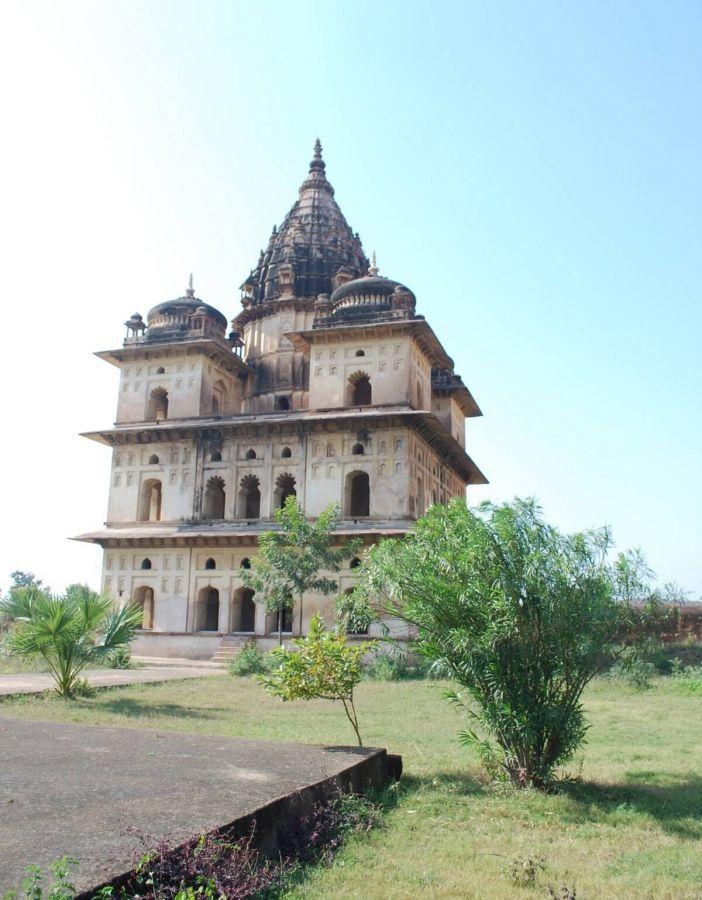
(80, 790)
(38, 682)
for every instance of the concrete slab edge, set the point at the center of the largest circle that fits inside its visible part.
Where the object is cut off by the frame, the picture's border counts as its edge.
(270, 822)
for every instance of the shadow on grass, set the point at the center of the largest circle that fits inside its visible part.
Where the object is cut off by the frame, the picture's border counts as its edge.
(130, 707)
(675, 805)
(457, 783)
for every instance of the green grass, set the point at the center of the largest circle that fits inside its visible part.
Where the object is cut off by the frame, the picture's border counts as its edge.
(630, 828)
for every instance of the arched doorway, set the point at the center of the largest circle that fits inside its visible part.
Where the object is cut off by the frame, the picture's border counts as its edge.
(357, 499)
(249, 498)
(207, 617)
(144, 597)
(359, 391)
(150, 501)
(213, 506)
(158, 405)
(284, 488)
(243, 612)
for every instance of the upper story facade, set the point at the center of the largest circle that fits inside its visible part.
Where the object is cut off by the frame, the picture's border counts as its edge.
(327, 385)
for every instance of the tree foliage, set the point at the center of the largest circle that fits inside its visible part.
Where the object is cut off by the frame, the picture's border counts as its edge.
(69, 632)
(320, 666)
(290, 559)
(519, 614)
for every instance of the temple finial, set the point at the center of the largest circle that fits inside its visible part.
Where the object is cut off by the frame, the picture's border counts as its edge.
(373, 268)
(317, 164)
(191, 290)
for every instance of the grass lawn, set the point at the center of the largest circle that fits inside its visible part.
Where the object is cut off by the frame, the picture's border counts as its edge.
(631, 828)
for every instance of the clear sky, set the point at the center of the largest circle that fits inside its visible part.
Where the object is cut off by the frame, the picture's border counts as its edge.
(531, 170)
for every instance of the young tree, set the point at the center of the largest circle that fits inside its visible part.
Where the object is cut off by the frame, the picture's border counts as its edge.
(70, 632)
(323, 666)
(289, 560)
(519, 614)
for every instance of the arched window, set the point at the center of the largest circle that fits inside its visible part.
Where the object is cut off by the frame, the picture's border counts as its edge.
(216, 456)
(357, 450)
(282, 404)
(284, 488)
(359, 392)
(150, 501)
(144, 597)
(158, 405)
(214, 502)
(210, 563)
(207, 615)
(250, 454)
(360, 353)
(286, 453)
(355, 563)
(357, 494)
(245, 563)
(153, 460)
(146, 563)
(420, 396)
(249, 497)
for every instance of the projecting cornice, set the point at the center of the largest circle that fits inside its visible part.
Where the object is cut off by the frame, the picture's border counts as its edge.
(419, 329)
(218, 351)
(306, 421)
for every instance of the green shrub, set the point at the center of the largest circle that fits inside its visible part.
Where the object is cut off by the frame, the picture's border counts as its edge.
(396, 666)
(121, 658)
(634, 668)
(250, 660)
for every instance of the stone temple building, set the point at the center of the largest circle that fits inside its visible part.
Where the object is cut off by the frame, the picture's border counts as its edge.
(329, 386)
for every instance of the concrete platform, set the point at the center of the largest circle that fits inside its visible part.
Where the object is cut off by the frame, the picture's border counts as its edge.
(38, 682)
(77, 790)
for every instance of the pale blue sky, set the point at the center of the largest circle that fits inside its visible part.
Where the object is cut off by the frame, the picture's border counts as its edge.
(531, 171)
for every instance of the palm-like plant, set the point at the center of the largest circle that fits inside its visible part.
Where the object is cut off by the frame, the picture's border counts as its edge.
(69, 632)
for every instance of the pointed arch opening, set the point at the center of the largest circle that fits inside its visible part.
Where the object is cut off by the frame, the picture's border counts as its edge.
(150, 498)
(249, 497)
(358, 390)
(286, 453)
(215, 498)
(355, 563)
(357, 494)
(284, 488)
(250, 454)
(207, 616)
(153, 460)
(144, 597)
(210, 563)
(358, 450)
(245, 563)
(243, 612)
(158, 405)
(146, 563)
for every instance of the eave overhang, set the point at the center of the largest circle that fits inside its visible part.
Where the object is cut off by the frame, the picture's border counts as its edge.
(424, 423)
(214, 350)
(228, 534)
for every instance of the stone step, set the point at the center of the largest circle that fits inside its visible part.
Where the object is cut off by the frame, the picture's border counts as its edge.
(173, 661)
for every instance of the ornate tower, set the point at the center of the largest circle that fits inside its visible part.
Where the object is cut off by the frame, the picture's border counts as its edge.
(329, 387)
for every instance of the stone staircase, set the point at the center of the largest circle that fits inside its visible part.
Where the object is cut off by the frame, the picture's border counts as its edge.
(229, 647)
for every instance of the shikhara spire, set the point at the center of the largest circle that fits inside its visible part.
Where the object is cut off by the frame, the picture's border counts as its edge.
(313, 243)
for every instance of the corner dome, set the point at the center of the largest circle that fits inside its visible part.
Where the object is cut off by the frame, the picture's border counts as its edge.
(174, 319)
